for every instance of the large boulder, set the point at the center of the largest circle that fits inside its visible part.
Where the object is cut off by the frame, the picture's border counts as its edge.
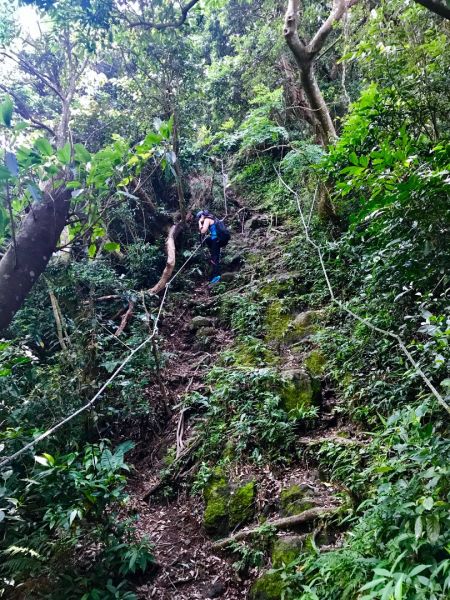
(298, 391)
(227, 507)
(286, 549)
(242, 504)
(267, 587)
(216, 495)
(200, 322)
(295, 499)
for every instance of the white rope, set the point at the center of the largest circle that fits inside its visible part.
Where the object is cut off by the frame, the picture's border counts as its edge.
(7, 460)
(345, 308)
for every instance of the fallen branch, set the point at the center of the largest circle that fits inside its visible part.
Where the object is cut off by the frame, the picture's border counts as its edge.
(125, 317)
(286, 523)
(171, 257)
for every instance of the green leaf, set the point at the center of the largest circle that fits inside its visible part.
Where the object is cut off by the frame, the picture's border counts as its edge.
(81, 154)
(111, 247)
(433, 529)
(418, 570)
(64, 154)
(428, 503)
(92, 250)
(418, 528)
(42, 460)
(6, 111)
(398, 590)
(43, 146)
(4, 173)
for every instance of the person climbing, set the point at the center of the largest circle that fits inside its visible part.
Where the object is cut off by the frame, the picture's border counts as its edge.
(218, 236)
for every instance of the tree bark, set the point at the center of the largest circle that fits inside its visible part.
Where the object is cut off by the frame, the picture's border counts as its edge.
(171, 258)
(305, 55)
(36, 241)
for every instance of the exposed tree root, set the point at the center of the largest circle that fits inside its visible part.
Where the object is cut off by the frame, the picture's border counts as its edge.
(286, 523)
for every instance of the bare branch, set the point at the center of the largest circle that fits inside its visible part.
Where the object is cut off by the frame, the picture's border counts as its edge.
(164, 25)
(437, 7)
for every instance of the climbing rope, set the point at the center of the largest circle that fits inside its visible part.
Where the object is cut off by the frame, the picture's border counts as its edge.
(346, 309)
(9, 459)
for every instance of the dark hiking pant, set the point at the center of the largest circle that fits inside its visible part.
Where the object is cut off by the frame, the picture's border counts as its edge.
(214, 249)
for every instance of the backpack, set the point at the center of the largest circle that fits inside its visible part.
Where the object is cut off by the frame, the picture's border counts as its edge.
(223, 234)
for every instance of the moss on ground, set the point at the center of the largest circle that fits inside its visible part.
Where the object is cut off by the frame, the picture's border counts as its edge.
(242, 504)
(315, 363)
(295, 500)
(277, 321)
(286, 550)
(267, 587)
(298, 391)
(216, 494)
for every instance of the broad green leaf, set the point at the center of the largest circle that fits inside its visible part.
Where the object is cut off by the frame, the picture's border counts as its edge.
(428, 503)
(92, 250)
(6, 111)
(73, 516)
(398, 590)
(418, 570)
(111, 247)
(64, 154)
(81, 154)
(4, 173)
(43, 146)
(433, 529)
(42, 460)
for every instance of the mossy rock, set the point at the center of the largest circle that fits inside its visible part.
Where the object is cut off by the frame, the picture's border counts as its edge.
(315, 363)
(200, 322)
(303, 326)
(245, 355)
(298, 391)
(267, 587)
(216, 494)
(286, 549)
(277, 321)
(206, 332)
(294, 500)
(279, 285)
(242, 504)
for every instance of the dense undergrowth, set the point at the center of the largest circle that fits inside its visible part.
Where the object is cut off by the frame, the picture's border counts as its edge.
(376, 202)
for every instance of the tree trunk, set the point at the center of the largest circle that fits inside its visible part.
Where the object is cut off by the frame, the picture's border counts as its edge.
(305, 55)
(36, 241)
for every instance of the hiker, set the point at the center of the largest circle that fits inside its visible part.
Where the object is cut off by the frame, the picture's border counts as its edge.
(218, 236)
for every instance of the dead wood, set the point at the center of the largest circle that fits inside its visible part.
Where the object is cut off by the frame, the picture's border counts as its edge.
(286, 523)
(126, 317)
(171, 258)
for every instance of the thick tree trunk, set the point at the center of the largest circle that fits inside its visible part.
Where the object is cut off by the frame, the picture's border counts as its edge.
(305, 55)
(317, 104)
(36, 241)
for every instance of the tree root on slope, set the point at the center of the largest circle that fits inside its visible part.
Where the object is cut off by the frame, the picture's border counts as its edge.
(286, 523)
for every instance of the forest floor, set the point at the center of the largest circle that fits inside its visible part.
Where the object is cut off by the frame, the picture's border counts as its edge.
(188, 566)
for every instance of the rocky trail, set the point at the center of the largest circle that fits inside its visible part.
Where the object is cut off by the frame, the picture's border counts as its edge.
(190, 565)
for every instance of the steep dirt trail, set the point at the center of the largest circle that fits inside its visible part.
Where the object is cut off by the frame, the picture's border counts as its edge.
(188, 566)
